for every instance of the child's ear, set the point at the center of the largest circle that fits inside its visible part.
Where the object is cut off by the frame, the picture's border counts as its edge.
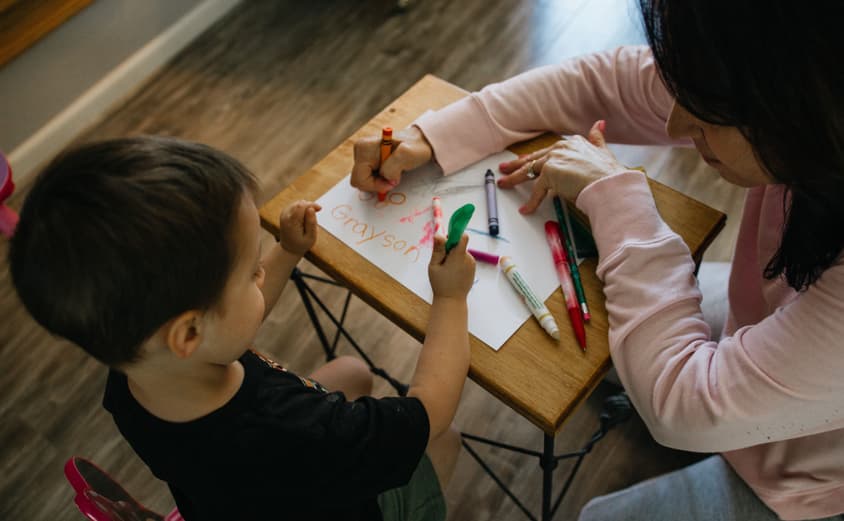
(183, 333)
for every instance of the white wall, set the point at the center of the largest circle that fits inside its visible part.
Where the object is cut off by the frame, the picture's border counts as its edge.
(71, 77)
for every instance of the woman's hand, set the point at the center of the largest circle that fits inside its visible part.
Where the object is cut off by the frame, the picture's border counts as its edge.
(563, 169)
(298, 227)
(410, 150)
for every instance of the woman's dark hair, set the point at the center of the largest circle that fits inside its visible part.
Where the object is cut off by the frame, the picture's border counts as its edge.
(772, 70)
(118, 237)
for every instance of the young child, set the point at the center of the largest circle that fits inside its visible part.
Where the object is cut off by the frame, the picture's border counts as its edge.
(146, 253)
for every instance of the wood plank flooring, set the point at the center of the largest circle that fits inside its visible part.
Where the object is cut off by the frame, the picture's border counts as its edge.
(278, 84)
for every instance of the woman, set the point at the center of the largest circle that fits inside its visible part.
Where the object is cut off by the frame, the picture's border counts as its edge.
(759, 91)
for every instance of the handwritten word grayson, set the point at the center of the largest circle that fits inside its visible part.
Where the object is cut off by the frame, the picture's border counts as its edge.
(368, 233)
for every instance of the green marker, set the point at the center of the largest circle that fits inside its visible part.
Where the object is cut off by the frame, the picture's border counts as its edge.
(457, 225)
(575, 272)
(584, 244)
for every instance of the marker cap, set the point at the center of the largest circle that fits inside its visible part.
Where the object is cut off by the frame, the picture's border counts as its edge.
(550, 326)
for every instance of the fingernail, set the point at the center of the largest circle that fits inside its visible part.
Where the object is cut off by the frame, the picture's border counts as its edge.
(523, 156)
(522, 209)
(502, 166)
(602, 126)
(393, 183)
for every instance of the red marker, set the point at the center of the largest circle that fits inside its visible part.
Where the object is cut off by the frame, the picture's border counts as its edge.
(552, 235)
(386, 149)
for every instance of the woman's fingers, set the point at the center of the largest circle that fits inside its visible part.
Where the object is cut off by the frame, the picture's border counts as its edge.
(540, 190)
(564, 168)
(596, 134)
(508, 167)
(527, 172)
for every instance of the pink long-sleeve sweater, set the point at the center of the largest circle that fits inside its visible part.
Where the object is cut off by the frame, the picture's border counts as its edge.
(770, 394)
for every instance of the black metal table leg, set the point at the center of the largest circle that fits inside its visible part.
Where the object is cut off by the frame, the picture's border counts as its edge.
(548, 462)
(301, 285)
(308, 297)
(617, 409)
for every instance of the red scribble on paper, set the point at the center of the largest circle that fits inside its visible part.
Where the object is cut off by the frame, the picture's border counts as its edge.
(428, 238)
(415, 214)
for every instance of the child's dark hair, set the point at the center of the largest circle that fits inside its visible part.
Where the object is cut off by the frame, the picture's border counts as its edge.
(772, 70)
(118, 237)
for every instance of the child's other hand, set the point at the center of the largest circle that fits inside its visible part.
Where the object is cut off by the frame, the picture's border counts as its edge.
(451, 275)
(298, 227)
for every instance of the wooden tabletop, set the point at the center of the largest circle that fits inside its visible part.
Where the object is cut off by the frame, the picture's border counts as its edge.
(542, 380)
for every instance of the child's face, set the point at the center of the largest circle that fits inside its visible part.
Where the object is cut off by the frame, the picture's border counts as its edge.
(230, 328)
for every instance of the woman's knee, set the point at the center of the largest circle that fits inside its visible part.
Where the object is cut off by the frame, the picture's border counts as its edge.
(597, 509)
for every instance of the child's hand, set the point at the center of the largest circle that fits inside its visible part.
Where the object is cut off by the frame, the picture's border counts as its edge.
(451, 275)
(298, 227)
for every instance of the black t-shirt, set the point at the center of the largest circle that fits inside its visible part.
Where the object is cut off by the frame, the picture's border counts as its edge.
(282, 448)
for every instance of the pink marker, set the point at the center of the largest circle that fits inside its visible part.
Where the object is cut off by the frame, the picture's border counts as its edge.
(552, 235)
(437, 209)
(483, 256)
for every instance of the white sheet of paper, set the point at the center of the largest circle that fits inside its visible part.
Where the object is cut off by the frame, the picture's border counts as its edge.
(396, 235)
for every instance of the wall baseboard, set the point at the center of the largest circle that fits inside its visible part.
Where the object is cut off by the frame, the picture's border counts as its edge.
(116, 86)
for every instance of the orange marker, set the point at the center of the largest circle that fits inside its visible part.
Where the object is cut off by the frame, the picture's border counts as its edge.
(386, 149)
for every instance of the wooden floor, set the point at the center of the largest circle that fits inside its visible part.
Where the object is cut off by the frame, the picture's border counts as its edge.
(278, 84)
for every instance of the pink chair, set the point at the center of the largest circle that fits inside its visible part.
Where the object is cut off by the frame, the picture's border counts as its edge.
(100, 498)
(8, 217)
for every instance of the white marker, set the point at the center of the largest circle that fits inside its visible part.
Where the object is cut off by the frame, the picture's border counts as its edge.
(536, 306)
